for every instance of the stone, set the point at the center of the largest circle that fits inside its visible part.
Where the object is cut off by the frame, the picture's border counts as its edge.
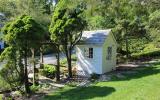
(105, 78)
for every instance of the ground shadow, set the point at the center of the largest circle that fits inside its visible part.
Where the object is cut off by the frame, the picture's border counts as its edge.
(84, 93)
(139, 72)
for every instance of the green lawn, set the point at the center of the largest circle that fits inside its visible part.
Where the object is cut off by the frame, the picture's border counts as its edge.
(143, 85)
(0, 96)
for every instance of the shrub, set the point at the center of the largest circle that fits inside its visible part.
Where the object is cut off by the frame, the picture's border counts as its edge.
(63, 62)
(94, 76)
(74, 57)
(48, 71)
(35, 88)
(4, 85)
(11, 77)
(150, 51)
(148, 54)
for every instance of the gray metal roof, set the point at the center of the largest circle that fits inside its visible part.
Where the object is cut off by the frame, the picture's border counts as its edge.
(94, 37)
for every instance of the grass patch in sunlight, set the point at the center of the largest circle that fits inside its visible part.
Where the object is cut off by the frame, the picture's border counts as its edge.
(143, 85)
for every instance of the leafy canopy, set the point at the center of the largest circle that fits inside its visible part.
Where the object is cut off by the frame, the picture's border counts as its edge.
(23, 30)
(67, 23)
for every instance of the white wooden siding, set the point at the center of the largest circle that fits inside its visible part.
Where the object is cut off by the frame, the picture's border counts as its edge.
(109, 65)
(89, 65)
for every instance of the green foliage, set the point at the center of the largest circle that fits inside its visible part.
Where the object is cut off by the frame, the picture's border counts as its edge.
(63, 62)
(23, 30)
(21, 35)
(150, 51)
(4, 85)
(136, 45)
(11, 75)
(11, 72)
(94, 77)
(154, 26)
(133, 84)
(1, 95)
(66, 23)
(35, 88)
(96, 22)
(147, 55)
(74, 57)
(154, 19)
(48, 49)
(66, 27)
(48, 71)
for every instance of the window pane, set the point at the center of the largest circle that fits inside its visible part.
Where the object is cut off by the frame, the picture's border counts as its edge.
(109, 53)
(90, 52)
(86, 52)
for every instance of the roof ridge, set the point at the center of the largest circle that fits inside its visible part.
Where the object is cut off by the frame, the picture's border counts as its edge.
(95, 36)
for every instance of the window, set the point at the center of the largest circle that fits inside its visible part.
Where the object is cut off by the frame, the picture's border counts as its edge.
(109, 53)
(88, 52)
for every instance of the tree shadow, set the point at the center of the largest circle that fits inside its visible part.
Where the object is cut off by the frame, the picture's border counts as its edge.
(81, 93)
(139, 72)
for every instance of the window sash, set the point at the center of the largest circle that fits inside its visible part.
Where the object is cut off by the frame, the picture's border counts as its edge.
(109, 53)
(88, 52)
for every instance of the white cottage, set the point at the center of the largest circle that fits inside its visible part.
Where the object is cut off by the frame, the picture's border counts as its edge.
(96, 53)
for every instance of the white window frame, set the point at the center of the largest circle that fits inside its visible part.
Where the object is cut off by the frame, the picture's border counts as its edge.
(88, 52)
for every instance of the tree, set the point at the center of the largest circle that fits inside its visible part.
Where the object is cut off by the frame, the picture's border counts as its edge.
(66, 28)
(23, 33)
(12, 72)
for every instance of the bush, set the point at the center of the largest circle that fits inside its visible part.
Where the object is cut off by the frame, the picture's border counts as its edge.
(48, 71)
(150, 51)
(94, 76)
(63, 62)
(11, 77)
(48, 49)
(4, 85)
(148, 54)
(35, 88)
(74, 57)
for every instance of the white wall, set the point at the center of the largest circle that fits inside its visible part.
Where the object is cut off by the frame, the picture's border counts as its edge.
(90, 65)
(109, 65)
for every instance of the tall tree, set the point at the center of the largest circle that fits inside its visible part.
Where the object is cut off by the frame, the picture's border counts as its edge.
(66, 27)
(23, 33)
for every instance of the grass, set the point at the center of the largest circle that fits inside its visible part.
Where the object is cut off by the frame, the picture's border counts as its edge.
(0, 96)
(142, 85)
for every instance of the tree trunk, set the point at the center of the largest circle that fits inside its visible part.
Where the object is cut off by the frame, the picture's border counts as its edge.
(127, 48)
(34, 65)
(58, 65)
(41, 57)
(127, 45)
(27, 89)
(21, 66)
(69, 63)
